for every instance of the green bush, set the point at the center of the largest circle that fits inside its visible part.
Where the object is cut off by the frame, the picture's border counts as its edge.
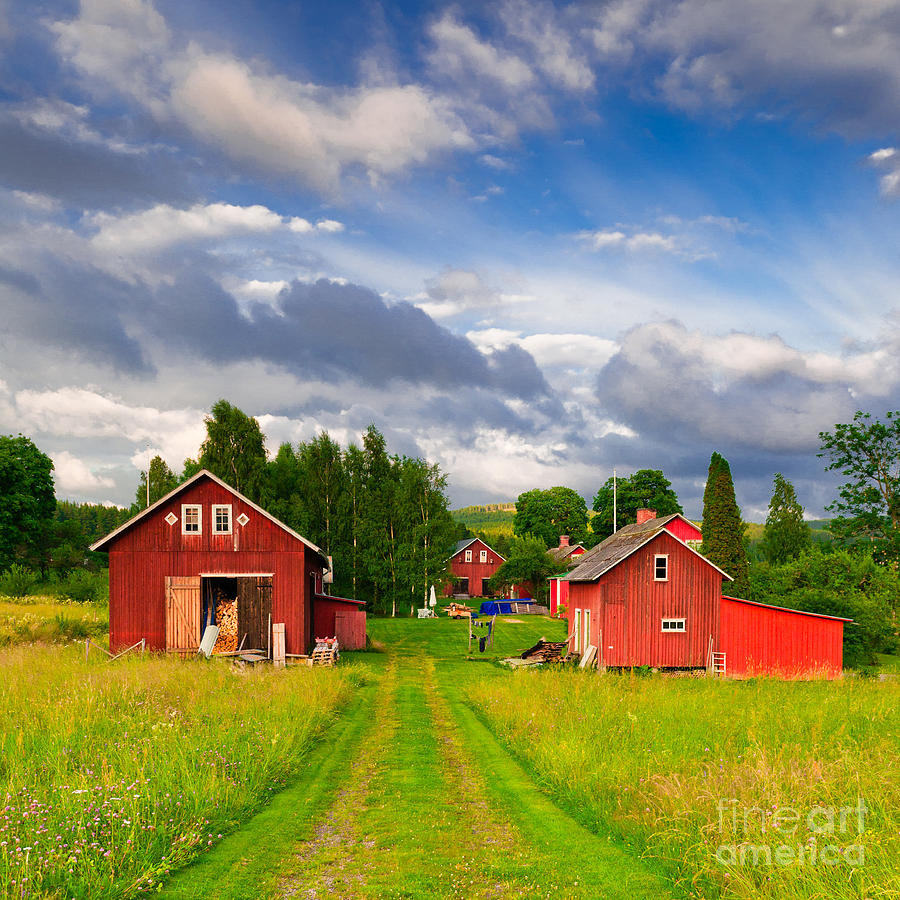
(17, 581)
(82, 586)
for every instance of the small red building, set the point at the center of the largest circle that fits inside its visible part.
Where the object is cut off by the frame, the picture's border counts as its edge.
(202, 541)
(559, 589)
(646, 597)
(472, 563)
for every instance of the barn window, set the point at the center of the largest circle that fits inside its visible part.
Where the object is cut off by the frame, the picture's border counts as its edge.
(661, 567)
(673, 625)
(221, 519)
(484, 556)
(191, 518)
(468, 556)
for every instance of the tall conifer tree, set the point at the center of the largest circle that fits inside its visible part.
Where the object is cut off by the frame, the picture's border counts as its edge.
(723, 530)
(786, 535)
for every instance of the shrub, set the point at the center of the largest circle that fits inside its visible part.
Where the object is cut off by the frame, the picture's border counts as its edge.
(85, 587)
(17, 581)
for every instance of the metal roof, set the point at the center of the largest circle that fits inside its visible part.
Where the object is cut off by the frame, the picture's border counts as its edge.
(204, 473)
(619, 546)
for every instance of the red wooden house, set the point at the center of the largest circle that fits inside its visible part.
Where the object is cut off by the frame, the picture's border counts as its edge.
(646, 597)
(205, 540)
(559, 589)
(471, 564)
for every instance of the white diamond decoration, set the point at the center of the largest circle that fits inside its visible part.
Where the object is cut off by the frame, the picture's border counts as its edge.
(171, 518)
(243, 519)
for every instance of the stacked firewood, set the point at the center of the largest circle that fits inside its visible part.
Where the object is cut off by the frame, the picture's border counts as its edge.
(227, 620)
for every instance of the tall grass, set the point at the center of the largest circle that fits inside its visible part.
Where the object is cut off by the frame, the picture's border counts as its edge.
(51, 622)
(111, 774)
(711, 777)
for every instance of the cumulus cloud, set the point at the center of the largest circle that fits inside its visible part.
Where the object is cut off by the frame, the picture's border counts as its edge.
(748, 390)
(73, 476)
(887, 158)
(268, 121)
(456, 291)
(635, 242)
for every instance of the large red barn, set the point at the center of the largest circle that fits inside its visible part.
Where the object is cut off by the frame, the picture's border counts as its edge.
(202, 540)
(646, 597)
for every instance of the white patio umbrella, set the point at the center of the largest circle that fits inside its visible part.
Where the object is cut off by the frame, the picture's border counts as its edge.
(432, 598)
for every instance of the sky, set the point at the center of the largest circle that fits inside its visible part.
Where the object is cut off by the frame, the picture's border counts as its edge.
(532, 242)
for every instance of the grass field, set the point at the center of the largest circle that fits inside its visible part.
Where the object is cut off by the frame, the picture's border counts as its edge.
(423, 771)
(46, 620)
(112, 774)
(710, 777)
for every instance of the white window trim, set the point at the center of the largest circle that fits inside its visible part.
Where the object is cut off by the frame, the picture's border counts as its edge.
(576, 628)
(184, 509)
(656, 560)
(678, 629)
(468, 556)
(482, 557)
(214, 522)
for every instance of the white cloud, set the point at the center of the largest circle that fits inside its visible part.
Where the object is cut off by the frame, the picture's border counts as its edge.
(636, 242)
(551, 41)
(73, 412)
(883, 154)
(569, 350)
(460, 53)
(162, 225)
(73, 476)
(268, 121)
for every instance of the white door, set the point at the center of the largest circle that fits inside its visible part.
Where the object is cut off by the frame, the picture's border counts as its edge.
(586, 638)
(576, 640)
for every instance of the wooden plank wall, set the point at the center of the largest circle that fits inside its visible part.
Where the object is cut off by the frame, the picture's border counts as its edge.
(144, 556)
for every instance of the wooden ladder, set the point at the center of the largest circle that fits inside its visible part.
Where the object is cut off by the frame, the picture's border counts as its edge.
(718, 663)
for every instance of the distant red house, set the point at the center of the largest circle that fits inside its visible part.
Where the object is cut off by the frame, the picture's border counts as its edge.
(472, 563)
(559, 589)
(645, 597)
(206, 540)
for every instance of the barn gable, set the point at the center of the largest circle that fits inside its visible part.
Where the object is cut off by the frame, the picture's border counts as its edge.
(201, 545)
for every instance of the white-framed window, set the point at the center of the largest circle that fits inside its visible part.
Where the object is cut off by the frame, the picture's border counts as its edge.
(468, 556)
(221, 518)
(191, 518)
(673, 625)
(483, 556)
(661, 567)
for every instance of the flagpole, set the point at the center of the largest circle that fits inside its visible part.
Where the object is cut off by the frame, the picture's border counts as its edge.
(614, 501)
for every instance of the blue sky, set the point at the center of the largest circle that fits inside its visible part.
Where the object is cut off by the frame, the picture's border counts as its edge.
(530, 241)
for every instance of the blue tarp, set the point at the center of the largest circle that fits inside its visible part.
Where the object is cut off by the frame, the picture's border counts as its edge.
(499, 607)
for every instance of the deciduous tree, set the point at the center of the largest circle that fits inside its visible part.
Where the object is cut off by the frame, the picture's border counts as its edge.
(235, 449)
(162, 480)
(645, 489)
(549, 513)
(28, 502)
(866, 452)
(529, 562)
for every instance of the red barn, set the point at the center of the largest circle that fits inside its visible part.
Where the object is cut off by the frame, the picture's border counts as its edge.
(646, 597)
(472, 563)
(205, 540)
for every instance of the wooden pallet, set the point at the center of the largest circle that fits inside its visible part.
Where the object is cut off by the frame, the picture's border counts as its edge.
(324, 655)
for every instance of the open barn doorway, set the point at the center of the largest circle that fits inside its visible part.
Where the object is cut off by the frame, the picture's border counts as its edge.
(241, 605)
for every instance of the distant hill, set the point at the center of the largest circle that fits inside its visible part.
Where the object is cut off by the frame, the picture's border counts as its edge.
(490, 517)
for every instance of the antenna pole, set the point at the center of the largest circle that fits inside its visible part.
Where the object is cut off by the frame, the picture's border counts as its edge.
(615, 486)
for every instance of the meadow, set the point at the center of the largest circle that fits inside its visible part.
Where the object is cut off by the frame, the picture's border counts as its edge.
(739, 789)
(113, 774)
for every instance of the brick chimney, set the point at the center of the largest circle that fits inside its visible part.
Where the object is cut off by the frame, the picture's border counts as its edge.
(645, 515)
(563, 541)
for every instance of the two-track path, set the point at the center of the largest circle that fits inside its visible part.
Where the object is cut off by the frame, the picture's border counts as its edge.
(409, 795)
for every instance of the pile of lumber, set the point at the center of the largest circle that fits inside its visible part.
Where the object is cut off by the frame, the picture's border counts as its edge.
(227, 620)
(325, 653)
(546, 651)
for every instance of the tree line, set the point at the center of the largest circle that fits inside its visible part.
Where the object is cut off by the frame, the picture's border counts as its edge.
(384, 518)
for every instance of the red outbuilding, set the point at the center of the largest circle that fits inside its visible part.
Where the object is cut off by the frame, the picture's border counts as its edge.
(559, 590)
(646, 597)
(203, 541)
